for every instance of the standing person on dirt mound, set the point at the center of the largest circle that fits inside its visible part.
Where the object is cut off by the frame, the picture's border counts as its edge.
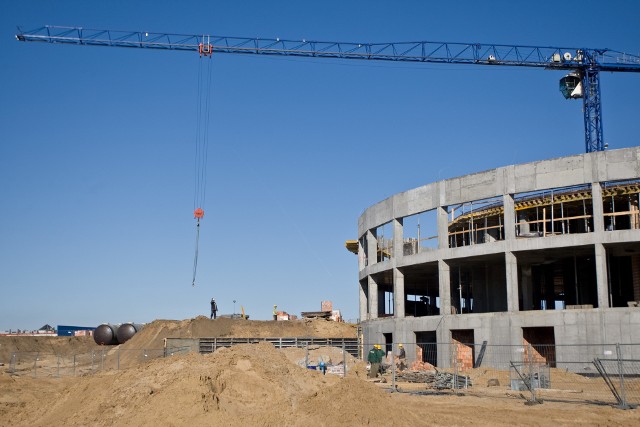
(374, 358)
(275, 312)
(214, 308)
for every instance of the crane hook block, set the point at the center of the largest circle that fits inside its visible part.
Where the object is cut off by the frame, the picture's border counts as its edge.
(198, 213)
(205, 49)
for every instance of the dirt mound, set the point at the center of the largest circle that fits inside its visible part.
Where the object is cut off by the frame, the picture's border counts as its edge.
(255, 384)
(252, 384)
(63, 346)
(153, 334)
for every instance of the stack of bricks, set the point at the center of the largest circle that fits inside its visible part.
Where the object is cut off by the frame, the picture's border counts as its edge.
(464, 356)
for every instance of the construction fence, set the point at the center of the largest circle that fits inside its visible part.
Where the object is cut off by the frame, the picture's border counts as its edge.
(604, 374)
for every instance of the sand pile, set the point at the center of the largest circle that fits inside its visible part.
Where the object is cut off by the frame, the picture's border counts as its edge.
(257, 385)
(252, 384)
(45, 345)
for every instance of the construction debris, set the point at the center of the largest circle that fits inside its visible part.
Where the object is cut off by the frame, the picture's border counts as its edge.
(435, 379)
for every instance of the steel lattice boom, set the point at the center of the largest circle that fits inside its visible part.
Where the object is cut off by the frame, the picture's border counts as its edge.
(587, 63)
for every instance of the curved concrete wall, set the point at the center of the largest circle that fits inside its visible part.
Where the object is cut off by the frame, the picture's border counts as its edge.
(591, 169)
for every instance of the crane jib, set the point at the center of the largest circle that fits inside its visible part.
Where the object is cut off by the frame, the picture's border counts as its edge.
(586, 62)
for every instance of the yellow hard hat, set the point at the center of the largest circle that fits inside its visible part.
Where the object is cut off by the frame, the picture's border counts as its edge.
(400, 345)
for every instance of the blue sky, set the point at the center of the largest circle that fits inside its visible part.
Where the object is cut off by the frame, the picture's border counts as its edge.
(97, 146)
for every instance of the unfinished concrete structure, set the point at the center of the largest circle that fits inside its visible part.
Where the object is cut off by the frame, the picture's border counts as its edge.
(546, 251)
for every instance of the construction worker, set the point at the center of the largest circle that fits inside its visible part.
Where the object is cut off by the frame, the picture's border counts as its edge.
(402, 358)
(214, 308)
(275, 312)
(374, 358)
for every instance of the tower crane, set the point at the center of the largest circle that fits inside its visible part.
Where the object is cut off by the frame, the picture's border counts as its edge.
(582, 81)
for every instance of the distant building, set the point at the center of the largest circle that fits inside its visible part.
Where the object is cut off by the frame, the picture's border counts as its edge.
(70, 331)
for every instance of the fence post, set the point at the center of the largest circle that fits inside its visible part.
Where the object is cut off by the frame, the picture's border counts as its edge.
(74, 365)
(393, 368)
(12, 363)
(623, 404)
(344, 360)
(35, 366)
(454, 379)
(58, 363)
(306, 355)
(118, 358)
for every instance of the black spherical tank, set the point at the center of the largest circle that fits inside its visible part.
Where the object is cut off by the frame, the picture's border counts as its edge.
(105, 334)
(126, 331)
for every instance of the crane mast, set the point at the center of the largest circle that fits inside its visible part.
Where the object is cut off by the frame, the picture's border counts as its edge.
(584, 64)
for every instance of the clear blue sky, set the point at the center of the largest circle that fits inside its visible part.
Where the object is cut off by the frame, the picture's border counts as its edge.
(97, 146)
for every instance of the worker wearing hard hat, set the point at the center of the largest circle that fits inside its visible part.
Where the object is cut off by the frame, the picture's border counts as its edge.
(275, 312)
(402, 358)
(374, 358)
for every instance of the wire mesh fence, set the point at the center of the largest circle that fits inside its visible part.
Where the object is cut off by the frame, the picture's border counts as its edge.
(41, 364)
(534, 372)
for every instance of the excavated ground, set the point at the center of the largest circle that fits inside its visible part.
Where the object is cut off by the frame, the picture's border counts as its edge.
(257, 385)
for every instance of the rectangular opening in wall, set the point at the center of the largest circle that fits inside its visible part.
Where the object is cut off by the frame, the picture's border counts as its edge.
(620, 205)
(557, 279)
(420, 232)
(463, 348)
(426, 348)
(384, 239)
(388, 343)
(385, 295)
(561, 210)
(623, 266)
(478, 284)
(539, 345)
(422, 290)
(475, 222)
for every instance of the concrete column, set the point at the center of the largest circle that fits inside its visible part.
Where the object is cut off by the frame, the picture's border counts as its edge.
(373, 298)
(364, 314)
(398, 293)
(527, 287)
(509, 217)
(443, 227)
(397, 238)
(372, 247)
(602, 277)
(598, 217)
(444, 282)
(511, 270)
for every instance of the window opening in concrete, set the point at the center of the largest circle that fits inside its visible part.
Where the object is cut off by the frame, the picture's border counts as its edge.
(420, 233)
(551, 280)
(624, 276)
(422, 290)
(539, 345)
(620, 205)
(385, 296)
(479, 286)
(427, 347)
(384, 238)
(479, 221)
(562, 210)
(388, 303)
(388, 342)
(463, 352)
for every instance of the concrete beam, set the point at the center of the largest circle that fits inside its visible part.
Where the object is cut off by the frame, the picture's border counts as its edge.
(373, 298)
(444, 283)
(398, 293)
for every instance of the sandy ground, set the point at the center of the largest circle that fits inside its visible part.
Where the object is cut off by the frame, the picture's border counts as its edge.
(257, 385)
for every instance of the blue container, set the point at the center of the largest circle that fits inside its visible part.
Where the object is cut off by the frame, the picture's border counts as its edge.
(312, 367)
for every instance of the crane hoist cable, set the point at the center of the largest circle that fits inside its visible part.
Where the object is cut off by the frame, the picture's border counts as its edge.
(202, 142)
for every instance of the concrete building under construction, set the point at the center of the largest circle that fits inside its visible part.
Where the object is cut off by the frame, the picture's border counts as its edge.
(546, 251)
